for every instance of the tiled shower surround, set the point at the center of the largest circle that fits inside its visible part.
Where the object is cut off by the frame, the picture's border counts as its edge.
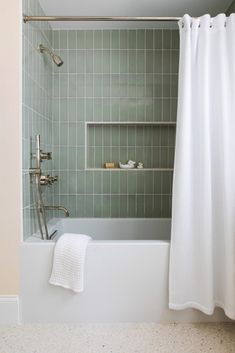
(36, 107)
(112, 78)
(104, 104)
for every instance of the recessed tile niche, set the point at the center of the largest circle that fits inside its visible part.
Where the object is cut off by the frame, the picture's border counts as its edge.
(151, 143)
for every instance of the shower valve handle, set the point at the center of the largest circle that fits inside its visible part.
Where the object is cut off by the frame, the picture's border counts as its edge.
(48, 180)
(45, 155)
(53, 179)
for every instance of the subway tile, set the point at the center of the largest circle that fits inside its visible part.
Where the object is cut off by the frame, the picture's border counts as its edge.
(106, 182)
(132, 61)
(166, 85)
(141, 39)
(115, 39)
(98, 39)
(106, 206)
(149, 206)
(89, 39)
(80, 157)
(140, 211)
(167, 61)
(115, 183)
(72, 205)
(80, 182)
(132, 39)
(123, 39)
(141, 61)
(157, 206)
(63, 39)
(98, 157)
(80, 201)
(115, 205)
(72, 136)
(165, 206)
(123, 183)
(80, 61)
(149, 61)
(123, 202)
(167, 39)
(80, 39)
(115, 61)
(158, 61)
(124, 62)
(89, 206)
(98, 182)
(72, 182)
(72, 39)
(89, 57)
(72, 158)
(98, 61)
(131, 182)
(71, 111)
(149, 39)
(106, 60)
(158, 39)
(175, 62)
(132, 206)
(106, 39)
(97, 205)
(175, 39)
(98, 86)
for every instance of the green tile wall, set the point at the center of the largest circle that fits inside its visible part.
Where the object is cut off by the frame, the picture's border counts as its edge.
(107, 76)
(36, 107)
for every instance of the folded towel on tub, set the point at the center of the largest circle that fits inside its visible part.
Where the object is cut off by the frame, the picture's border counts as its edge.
(68, 262)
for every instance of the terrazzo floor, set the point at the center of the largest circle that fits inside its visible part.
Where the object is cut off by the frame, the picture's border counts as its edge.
(118, 338)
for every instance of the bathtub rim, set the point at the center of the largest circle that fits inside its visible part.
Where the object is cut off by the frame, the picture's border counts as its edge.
(36, 237)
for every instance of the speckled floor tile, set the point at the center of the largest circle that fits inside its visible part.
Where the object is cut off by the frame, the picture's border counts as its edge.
(118, 338)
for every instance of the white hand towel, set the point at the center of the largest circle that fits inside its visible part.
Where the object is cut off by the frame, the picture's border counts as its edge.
(68, 262)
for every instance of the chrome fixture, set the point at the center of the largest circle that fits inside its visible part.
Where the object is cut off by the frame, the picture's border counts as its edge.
(45, 155)
(58, 208)
(99, 18)
(56, 58)
(48, 180)
(40, 180)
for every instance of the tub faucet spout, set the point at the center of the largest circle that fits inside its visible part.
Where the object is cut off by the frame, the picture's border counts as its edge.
(58, 208)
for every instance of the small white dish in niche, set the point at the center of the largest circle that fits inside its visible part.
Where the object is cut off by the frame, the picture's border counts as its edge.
(129, 165)
(126, 166)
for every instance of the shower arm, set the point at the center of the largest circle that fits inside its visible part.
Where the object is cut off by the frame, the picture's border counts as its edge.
(41, 48)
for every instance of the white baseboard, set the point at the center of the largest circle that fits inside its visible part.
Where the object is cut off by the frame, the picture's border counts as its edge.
(9, 310)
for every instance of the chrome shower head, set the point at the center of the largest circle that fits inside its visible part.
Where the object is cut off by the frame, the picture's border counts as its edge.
(56, 58)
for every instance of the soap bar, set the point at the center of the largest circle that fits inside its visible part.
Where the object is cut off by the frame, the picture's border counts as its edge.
(109, 165)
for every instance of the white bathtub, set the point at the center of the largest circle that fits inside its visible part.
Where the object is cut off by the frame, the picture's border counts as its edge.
(126, 275)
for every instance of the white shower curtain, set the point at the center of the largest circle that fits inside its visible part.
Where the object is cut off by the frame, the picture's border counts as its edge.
(202, 257)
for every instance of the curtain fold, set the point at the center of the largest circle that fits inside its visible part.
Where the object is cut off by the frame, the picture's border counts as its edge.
(202, 256)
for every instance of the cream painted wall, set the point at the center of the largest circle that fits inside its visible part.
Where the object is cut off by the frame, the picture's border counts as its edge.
(10, 146)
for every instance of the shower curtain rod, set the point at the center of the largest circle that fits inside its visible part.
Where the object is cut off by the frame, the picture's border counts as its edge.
(98, 18)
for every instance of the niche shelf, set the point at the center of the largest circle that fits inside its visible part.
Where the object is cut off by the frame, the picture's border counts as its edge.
(153, 143)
